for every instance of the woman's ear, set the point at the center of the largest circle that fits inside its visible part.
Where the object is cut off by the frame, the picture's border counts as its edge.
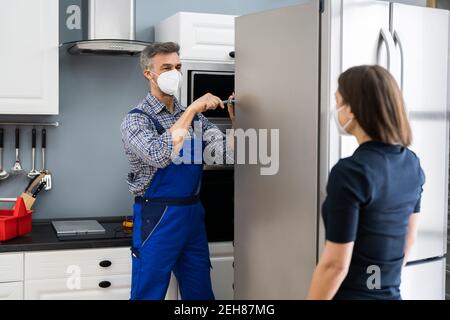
(347, 110)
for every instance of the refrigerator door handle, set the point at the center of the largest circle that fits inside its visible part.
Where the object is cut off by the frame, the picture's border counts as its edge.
(385, 36)
(398, 42)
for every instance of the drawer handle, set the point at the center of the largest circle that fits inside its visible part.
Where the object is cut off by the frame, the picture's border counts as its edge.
(104, 284)
(105, 264)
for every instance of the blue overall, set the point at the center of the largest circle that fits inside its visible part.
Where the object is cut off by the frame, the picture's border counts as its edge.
(169, 233)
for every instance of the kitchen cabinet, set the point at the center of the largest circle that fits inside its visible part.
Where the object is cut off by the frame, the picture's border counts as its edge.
(92, 262)
(201, 36)
(29, 35)
(11, 291)
(11, 267)
(222, 272)
(115, 287)
(92, 274)
(222, 277)
(11, 276)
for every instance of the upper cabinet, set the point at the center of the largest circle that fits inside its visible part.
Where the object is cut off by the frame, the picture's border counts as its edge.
(201, 36)
(29, 57)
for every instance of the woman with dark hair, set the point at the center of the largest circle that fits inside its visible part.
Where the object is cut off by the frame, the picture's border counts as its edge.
(373, 197)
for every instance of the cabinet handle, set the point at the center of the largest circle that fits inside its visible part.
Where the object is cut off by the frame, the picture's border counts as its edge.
(104, 284)
(232, 54)
(105, 264)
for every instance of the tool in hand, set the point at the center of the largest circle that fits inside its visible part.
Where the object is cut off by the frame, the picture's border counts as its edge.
(225, 102)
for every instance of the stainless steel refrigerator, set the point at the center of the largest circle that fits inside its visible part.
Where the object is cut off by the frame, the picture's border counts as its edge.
(287, 64)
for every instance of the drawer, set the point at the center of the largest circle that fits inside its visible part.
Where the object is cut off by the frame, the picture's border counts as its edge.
(11, 291)
(83, 263)
(11, 267)
(115, 287)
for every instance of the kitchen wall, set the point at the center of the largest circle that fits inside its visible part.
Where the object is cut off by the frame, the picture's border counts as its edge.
(85, 153)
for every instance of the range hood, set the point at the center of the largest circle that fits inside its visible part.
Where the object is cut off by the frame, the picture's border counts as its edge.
(111, 30)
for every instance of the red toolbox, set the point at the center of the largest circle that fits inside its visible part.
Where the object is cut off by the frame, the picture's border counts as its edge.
(15, 222)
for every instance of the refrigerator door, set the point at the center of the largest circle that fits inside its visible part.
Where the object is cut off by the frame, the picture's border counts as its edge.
(365, 40)
(421, 36)
(277, 87)
(424, 281)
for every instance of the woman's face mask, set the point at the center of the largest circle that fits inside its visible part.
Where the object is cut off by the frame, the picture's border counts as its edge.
(341, 128)
(170, 82)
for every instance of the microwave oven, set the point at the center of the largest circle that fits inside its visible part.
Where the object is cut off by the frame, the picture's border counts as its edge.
(216, 78)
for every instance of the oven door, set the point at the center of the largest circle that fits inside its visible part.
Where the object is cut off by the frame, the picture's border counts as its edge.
(217, 197)
(218, 83)
(200, 78)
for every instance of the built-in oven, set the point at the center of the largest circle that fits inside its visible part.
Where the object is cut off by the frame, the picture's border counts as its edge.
(217, 197)
(217, 192)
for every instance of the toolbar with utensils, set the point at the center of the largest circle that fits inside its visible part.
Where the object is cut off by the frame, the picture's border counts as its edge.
(40, 177)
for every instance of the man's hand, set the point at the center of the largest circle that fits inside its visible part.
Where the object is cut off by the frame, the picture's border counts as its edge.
(205, 103)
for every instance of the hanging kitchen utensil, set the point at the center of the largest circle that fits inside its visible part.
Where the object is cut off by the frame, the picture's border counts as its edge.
(48, 176)
(17, 168)
(3, 174)
(33, 173)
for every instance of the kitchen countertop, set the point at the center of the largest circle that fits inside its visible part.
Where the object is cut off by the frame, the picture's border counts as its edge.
(43, 238)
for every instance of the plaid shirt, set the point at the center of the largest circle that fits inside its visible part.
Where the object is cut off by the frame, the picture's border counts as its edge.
(148, 151)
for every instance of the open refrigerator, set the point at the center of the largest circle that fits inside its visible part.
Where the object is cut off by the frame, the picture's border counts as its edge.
(286, 77)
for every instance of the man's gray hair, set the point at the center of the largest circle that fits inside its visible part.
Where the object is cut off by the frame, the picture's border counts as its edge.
(157, 48)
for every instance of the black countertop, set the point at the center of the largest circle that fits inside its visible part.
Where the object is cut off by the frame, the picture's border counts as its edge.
(43, 238)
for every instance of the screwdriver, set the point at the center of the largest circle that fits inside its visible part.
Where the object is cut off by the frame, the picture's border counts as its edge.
(225, 102)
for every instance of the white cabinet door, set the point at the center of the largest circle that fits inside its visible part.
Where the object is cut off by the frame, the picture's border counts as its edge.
(115, 287)
(222, 275)
(87, 288)
(202, 36)
(11, 291)
(79, 275)
(172, 291)
(11, 267)
(90, 262)
(29, 56)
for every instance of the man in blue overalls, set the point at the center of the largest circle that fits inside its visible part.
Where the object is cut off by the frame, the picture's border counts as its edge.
(169, 232)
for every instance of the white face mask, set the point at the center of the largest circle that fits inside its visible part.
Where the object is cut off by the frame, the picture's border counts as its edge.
(170, 82)
(341, 128)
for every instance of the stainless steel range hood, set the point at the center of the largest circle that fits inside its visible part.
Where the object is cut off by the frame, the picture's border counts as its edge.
(111, 30)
